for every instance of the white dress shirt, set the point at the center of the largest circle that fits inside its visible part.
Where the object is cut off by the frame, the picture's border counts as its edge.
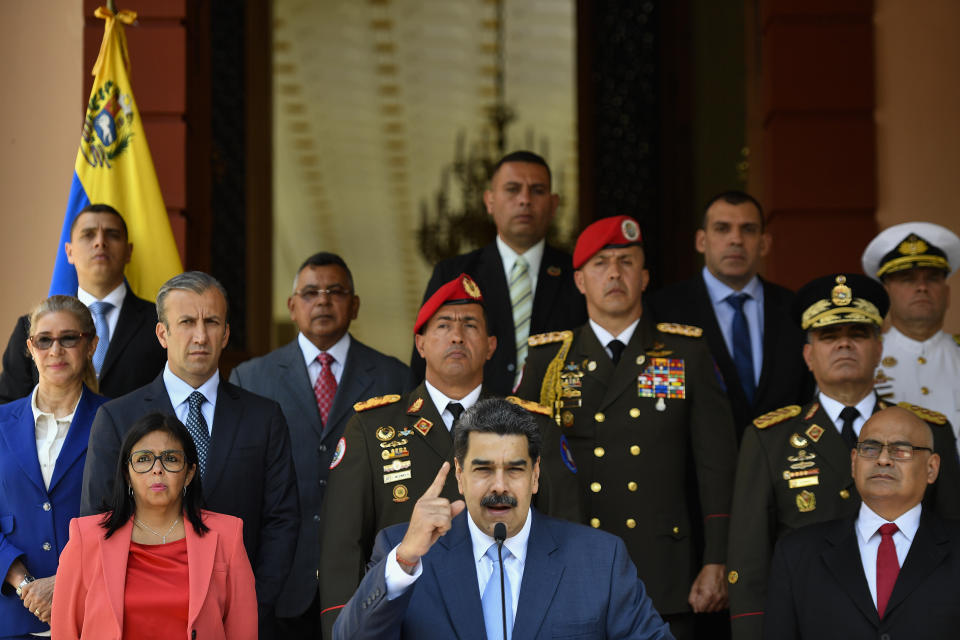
(833, 409)
(310, 353)
(50, 433)
(752, 310)
(868, 539)
(179, 392)
(604, 336)
(533, 256)
(441, 401)
(115, 298)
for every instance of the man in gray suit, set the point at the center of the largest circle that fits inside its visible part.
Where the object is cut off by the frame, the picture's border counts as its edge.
(316, 379)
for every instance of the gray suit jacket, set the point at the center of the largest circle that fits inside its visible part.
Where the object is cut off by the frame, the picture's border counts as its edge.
(281, 375)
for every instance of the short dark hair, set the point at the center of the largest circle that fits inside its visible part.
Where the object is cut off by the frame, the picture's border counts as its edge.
(197, 282)
(100, 208)
(522, 156)
(120, 506)
(496, 415)
(323, 259)
(734, 197)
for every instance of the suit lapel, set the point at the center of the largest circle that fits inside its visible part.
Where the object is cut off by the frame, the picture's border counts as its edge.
(130, 318)
(541, 577)
(771, 318)
(227, 418)
(21, 438)
(928, 550)
(830, 447)
(593, 361)
(456, 575)
(114, 552)
(549, 279)
(75, 444)
(355, 380)
(201, 552)
(842, 560)
(157, 398)
(624, 374)
(494, 289)
(437, 438)
(293, 382)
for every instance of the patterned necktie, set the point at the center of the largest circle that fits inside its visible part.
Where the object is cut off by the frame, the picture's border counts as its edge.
(100, 310)
(325, 387)
(197, 427)
(888, 567)
(456, 409)
(493, 613)
(742, 348)
(521, 299)
(616, 348)
(848, 415)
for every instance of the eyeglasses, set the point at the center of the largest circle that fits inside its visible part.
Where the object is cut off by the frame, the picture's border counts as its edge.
(870, 449)
(172, 460)
(67, 340)
(310, 294)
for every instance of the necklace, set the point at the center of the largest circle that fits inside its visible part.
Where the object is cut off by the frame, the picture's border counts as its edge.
(162, 536)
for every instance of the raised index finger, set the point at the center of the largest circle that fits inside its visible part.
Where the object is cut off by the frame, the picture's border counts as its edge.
(436, 486)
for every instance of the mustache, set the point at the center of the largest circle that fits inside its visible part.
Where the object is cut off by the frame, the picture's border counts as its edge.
(498, 500)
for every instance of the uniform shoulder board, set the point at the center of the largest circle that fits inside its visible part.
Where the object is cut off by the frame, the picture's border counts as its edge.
(680, 329)
(529, 405)
(373, 403)
(923, 413)
(547, 338)
(776, 416)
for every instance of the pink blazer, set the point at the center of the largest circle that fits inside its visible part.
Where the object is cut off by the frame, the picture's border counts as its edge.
(88, 595)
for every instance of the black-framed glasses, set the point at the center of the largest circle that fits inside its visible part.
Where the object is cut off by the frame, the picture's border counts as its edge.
(336, 292)
(870, 449)
(66, 340)
(173, 460)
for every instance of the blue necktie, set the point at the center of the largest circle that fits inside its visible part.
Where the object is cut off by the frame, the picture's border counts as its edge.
(742, 350)
(492, 605)
(197, 427)
(100, 310)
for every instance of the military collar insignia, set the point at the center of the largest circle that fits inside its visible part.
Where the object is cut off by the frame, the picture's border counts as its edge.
(415, 407)
(423, 426)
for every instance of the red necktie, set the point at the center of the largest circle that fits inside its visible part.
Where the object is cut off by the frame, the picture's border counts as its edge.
(325, 387)
(887, 566)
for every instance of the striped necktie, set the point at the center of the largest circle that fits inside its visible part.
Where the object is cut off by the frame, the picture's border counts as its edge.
(99, 310)
(521, 299)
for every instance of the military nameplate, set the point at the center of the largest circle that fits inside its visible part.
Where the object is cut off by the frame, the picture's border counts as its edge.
(806, 501)
(662, 378)
(397, 476)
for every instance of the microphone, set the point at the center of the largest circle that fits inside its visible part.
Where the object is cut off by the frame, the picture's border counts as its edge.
(500, 534)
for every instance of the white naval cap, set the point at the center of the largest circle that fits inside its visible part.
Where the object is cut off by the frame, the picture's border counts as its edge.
(910, 245)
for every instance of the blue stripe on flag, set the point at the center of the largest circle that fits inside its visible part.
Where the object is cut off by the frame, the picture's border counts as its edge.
(64, 279)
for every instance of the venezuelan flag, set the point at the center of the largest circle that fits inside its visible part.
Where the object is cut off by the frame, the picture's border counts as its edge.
(114, 167)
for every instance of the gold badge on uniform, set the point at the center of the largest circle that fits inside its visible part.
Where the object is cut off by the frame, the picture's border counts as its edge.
(400, 493)
(390, 454)
(813, 410)
(797, 441)
(471, 287)
(385, 433)
(566, 418)
(802, 460)
(804, 478)
(406, 432)
(889, 361)
(806, 501)
(397, 476)
(554, 271)
(841, 295)
(396, 465)
(591, 366)
(814, 431)
(413, 408)
(393, 443)
(423, 426)
(641, 359)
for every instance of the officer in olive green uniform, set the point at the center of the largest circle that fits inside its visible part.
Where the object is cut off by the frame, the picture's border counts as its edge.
(794, 464)
(632, 429)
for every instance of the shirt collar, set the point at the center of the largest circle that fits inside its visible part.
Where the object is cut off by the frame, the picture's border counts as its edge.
(720, 291)
(310, 350)
(868, 522)
(115, 297)
(179, 390)
(834, 407)
(533, 256)
(605, 336)
(37, 411)
(440, 401)
(516, 544)
(894, 336)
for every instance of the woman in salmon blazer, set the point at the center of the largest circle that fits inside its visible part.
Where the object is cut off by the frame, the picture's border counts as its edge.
(155, 565)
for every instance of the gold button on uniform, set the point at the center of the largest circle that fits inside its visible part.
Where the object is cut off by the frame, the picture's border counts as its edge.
(844, 494)
(599, 452)
(922, 360)
(634, 413)
(632, 486)
(631, 523)
(924, 390)
(635, 450)
(599, 417)
(595, 487)
(676, 530)
(595, 523)
(732, 577)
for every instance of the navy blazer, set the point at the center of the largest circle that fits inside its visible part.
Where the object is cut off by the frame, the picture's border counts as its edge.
(35, 520)
(281, 375)
(578, 582)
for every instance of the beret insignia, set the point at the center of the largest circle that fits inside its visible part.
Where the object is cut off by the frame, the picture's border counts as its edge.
(532, 407)
(777, 416)
(680, 329)
(924, 414)
(548, 338)
(373, 403)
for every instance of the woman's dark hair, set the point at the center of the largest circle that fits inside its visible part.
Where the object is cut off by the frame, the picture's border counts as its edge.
(120, 508)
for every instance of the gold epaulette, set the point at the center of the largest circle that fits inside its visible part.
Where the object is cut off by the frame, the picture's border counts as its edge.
(777, 416)
(547, 338)
(529, 405)
(373, 403)
(680, 329)
(923, 413)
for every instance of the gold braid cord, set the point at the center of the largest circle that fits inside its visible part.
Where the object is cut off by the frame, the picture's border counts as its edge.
(550, 389)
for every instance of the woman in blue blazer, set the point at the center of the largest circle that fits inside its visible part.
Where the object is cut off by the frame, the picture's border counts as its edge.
(43, 445)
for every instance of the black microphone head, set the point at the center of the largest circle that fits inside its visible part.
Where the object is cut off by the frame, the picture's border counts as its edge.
(499, 532)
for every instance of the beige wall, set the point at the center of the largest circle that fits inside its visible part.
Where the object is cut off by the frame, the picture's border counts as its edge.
(918, 131)
(41, 116)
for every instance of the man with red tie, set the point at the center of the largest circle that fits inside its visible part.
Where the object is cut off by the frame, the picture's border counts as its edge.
(889, 572)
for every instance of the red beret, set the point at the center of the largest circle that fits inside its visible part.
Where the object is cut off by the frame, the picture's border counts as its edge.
(618, 231)
(460, 290)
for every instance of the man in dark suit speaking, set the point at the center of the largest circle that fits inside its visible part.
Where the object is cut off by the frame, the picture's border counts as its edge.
(890, 572)
(241, 438)
(440, 576)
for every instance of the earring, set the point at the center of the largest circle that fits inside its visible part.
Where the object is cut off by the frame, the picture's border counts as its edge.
(130, 490)
(184, 490)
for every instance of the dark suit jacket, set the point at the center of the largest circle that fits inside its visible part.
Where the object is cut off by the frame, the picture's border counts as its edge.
(249, 474)
(557, 305)
(784, 378)
(134, 356)
(577, 582)
(282, 376)
(818, 589)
